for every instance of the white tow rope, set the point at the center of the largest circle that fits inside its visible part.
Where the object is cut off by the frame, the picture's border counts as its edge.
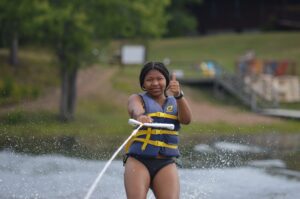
(132, 122)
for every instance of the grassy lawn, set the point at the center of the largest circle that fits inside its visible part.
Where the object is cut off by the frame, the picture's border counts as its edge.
(99, 124)
(36, 71)
(225, 49)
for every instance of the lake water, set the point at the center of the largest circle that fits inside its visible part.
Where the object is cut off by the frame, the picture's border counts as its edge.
(58, 177)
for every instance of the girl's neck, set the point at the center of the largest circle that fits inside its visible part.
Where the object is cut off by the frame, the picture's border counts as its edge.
(159, 99)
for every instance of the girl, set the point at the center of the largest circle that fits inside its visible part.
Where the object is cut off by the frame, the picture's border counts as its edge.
(150, 153)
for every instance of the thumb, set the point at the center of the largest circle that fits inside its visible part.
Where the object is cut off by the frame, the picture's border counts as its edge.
(173, 78)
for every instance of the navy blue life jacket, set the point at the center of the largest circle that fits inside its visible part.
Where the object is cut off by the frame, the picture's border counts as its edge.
(151, 142)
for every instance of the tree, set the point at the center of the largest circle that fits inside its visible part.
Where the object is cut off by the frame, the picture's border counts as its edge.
(128, 18)
(66, 30)
(17, 21)
(182, 21)
(70, 27)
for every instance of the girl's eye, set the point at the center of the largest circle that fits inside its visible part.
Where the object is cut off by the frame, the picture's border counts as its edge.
(154, 79)
(149, 80)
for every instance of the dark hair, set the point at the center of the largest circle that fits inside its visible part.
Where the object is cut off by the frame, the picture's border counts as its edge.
(156, 66)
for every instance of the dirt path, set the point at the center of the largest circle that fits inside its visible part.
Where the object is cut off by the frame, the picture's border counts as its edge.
(207, 113)
(93, 82)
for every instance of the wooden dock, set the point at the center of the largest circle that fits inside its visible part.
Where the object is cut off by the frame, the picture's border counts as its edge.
(235, 87)
(285, 113)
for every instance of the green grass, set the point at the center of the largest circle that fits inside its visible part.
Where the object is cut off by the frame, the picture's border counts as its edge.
(36, 71)
(92, 117)
(99, 127)
(127, 79)
(225, 49)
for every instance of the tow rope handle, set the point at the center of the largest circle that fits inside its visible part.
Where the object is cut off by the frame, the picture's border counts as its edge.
(157, 125)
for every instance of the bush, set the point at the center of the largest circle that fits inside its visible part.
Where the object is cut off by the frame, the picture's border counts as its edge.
(13, 118)
(6, 87)
(13, 92)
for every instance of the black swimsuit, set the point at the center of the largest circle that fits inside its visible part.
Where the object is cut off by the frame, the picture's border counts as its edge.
(152, 164)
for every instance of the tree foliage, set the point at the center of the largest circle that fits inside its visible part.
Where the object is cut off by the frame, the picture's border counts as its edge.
(69, 27)
(17, 20)
(128, 18)
(182, 22)
(66, 29)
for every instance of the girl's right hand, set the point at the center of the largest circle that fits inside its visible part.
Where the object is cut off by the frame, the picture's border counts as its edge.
(144, 119)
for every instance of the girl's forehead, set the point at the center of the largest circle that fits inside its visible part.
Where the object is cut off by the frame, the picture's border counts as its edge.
(154, 72)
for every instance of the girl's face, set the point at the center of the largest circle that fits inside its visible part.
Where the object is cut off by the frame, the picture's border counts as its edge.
(155, 83)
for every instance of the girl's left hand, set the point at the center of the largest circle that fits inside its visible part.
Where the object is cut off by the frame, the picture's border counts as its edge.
(174, 86)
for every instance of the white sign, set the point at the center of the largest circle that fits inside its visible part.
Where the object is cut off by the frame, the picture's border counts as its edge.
(133, 54)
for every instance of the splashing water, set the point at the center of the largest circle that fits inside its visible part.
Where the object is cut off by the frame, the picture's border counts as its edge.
(92, 188)
(58, 177)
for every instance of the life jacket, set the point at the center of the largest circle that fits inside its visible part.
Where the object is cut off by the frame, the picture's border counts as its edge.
(152, 141)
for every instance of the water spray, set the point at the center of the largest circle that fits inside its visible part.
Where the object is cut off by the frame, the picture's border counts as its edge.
(134, 123)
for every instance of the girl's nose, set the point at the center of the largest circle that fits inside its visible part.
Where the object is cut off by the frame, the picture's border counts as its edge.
(154, 82)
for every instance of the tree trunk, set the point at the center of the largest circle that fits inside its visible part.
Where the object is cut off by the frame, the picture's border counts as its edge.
(63, 97)
(68, 94)
(13, 57)
(72, 92)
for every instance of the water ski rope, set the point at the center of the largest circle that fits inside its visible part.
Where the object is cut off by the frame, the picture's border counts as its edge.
(132, 122)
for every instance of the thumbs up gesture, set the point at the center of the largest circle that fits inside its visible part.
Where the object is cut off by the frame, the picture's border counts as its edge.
(174, 87)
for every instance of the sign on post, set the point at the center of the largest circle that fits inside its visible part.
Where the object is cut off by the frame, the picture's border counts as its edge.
(133, 54)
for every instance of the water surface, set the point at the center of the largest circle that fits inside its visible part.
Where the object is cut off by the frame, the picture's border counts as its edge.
(54, 176)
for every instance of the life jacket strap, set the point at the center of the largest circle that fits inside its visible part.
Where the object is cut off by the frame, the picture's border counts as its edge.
(147, 140)
(155, 143)
(156, 132)
(148, 135)
(164, 115)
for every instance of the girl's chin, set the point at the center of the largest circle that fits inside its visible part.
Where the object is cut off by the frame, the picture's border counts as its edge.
(156, 94)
